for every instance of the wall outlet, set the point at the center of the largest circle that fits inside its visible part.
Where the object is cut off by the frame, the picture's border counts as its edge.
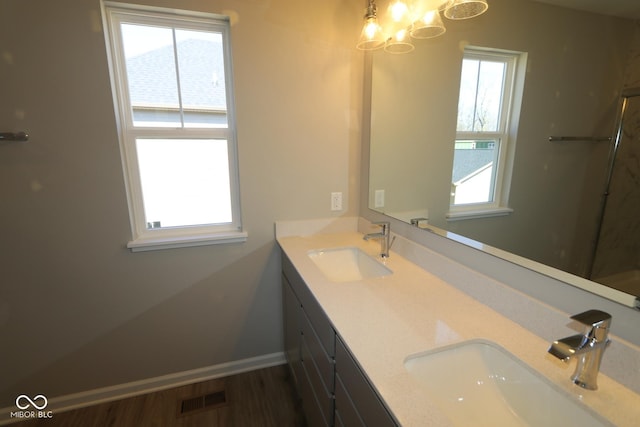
(379, 199)
(336, 201)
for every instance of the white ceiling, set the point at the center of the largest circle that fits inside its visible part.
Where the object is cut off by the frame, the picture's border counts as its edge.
(624, 8)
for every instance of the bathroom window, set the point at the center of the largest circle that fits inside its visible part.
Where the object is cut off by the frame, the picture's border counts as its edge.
(172, 81)
(488, 107)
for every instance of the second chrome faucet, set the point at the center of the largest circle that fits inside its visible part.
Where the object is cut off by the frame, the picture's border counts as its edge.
(588, 347)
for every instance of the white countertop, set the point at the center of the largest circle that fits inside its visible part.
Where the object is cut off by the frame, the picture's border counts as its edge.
(383, 320)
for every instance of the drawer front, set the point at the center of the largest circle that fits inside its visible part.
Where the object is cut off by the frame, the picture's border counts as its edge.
(324, 397)
(363, 396)
(346, 412)
(292, 313)
(324, 362)
(316, 315)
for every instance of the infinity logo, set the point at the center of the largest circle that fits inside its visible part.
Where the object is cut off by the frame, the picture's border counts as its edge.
(30, 402)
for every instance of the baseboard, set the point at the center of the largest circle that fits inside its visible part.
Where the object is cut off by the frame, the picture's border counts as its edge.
(135, 388)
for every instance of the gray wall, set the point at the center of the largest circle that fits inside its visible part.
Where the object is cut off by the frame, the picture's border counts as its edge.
(78, 310)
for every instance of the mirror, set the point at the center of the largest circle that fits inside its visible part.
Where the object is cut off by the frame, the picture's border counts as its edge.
(577, 65)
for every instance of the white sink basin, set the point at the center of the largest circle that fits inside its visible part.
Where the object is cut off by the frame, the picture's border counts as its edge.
(478, 383)
(347, 264)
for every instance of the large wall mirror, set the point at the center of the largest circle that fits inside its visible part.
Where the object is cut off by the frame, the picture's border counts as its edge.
(564, 205)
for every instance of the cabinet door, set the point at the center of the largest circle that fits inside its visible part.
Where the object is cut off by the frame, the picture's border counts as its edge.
(364, 398)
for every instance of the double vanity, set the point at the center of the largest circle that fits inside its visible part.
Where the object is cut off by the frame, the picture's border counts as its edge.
(377, 341)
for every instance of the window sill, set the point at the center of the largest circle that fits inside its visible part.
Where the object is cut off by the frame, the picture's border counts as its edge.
(480, 213)
(155, 244)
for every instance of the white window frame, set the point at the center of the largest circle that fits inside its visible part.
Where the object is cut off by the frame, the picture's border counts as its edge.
(506, 135)
(144, 238)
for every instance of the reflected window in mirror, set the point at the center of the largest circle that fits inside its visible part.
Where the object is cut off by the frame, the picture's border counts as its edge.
(485, 133)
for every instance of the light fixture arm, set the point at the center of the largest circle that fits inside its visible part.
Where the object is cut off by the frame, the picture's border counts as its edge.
(371, 10)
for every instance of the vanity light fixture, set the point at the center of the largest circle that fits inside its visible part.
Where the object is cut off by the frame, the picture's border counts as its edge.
(405, 20)
(465, 9)
(372, 36)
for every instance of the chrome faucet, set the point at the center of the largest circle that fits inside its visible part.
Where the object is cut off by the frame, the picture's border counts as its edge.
(383, 236)
(589, 347)
(416, 221)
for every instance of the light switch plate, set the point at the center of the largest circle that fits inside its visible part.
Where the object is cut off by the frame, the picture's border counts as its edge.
(379, 199)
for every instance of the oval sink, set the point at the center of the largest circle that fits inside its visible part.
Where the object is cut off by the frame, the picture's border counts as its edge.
(347, 264)
(479, 383)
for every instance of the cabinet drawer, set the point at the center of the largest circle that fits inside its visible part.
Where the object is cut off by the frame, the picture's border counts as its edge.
(321, 359)
(364, 398)
(324, 396)
(292, 313)
(316, 315)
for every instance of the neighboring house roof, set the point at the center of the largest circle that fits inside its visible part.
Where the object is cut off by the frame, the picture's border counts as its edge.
(152, 76)
(469, 162)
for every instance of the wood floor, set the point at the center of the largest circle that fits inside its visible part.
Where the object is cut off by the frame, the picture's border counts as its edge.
(262, 398)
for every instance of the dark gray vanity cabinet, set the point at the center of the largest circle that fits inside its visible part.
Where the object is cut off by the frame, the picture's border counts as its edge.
(310, 347)
(333, 389)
